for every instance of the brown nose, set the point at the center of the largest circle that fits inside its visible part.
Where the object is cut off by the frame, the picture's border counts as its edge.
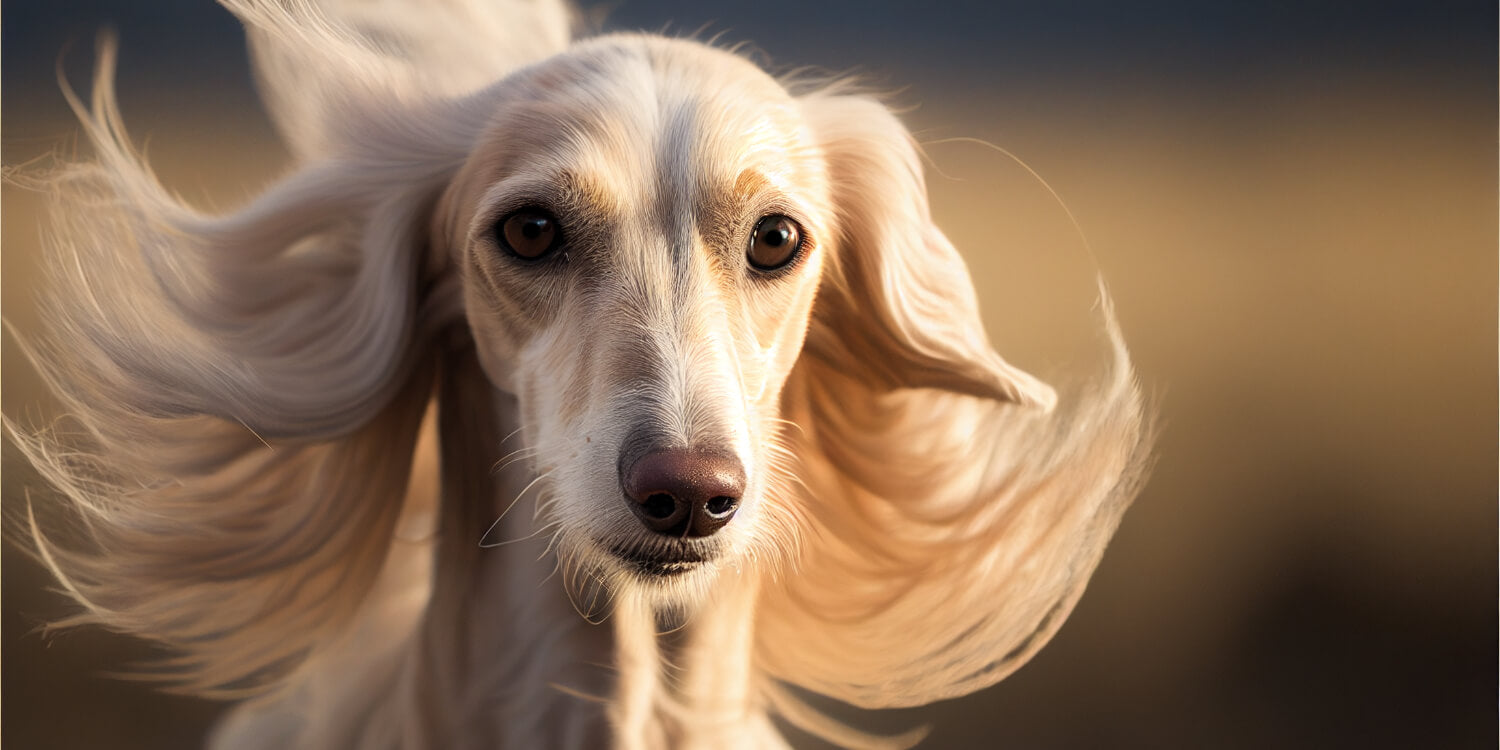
(684, 493)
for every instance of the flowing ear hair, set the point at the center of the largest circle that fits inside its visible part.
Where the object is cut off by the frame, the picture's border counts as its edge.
(897, 305)
(245, 392)
(953, 515)
(311, 53)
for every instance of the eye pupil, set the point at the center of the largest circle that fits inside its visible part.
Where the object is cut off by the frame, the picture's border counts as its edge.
(774, 243)
(528, 234)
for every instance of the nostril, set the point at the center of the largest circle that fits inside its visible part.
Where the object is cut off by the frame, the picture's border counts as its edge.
(659, 505)
(722, 506)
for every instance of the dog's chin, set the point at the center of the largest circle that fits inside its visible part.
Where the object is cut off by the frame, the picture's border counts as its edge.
(673, 574)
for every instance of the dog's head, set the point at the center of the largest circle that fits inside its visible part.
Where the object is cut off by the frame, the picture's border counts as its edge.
(646, 231)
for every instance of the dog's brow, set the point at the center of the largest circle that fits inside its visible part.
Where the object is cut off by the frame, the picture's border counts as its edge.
(748, 186)
(749, 183)
(586, 189)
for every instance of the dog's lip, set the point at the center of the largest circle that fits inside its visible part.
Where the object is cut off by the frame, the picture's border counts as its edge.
(661, 563)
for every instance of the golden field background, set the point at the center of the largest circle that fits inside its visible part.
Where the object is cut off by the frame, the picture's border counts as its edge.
(1302, 251)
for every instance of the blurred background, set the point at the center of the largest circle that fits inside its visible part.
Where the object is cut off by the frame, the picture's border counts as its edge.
(1294, 204)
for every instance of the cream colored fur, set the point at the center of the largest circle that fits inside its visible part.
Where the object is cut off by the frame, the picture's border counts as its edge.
(351, 462)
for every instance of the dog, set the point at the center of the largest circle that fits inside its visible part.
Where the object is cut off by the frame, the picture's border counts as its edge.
(608, 392)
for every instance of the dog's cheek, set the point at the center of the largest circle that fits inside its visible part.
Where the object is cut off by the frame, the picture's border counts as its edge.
(501, 330)
(573, 379)
(781, 322)
(497, 354)
(555, 375)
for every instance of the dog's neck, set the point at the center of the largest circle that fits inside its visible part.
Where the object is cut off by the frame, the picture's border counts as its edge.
(518, 666)
(690, 684)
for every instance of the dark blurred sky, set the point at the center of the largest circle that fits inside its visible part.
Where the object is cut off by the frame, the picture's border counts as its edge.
(1173, 42)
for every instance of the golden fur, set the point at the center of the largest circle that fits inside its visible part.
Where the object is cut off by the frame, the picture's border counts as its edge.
(341, 455)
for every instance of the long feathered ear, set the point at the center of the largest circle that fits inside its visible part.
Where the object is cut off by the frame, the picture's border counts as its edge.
(320, 64)
(246, 389)
(897, 305)
(948, 529)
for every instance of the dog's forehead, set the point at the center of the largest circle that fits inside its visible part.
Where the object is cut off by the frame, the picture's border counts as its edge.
(637, 112)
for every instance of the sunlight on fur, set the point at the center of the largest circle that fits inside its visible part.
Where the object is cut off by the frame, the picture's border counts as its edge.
(564, 394)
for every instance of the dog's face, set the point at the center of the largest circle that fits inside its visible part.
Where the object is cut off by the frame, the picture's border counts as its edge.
(640, 236)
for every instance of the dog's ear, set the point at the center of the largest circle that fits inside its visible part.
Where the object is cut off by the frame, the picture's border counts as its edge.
(941, 539)
(897, 306)
(245, 391)
(323, 68)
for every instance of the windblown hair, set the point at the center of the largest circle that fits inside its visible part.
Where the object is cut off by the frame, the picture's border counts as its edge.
(245, 395)
(183, 345)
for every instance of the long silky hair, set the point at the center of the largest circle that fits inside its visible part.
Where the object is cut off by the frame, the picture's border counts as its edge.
(244, 395)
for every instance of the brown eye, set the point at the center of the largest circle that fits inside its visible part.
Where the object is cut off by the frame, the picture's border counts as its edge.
(775, 242)
(529, 233)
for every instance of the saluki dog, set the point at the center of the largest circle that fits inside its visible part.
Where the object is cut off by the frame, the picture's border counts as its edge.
(564, 393)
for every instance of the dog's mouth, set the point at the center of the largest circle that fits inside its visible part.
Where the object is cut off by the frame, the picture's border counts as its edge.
(660, 563)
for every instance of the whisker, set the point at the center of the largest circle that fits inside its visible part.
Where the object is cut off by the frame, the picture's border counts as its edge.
(512, 457)
(512, 504)
(512, 434)
(506, 542)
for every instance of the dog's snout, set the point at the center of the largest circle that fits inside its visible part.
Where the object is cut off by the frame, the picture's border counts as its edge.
(684, 493)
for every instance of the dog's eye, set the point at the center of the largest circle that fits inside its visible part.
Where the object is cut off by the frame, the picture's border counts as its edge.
(775, 242)
(528, 233)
